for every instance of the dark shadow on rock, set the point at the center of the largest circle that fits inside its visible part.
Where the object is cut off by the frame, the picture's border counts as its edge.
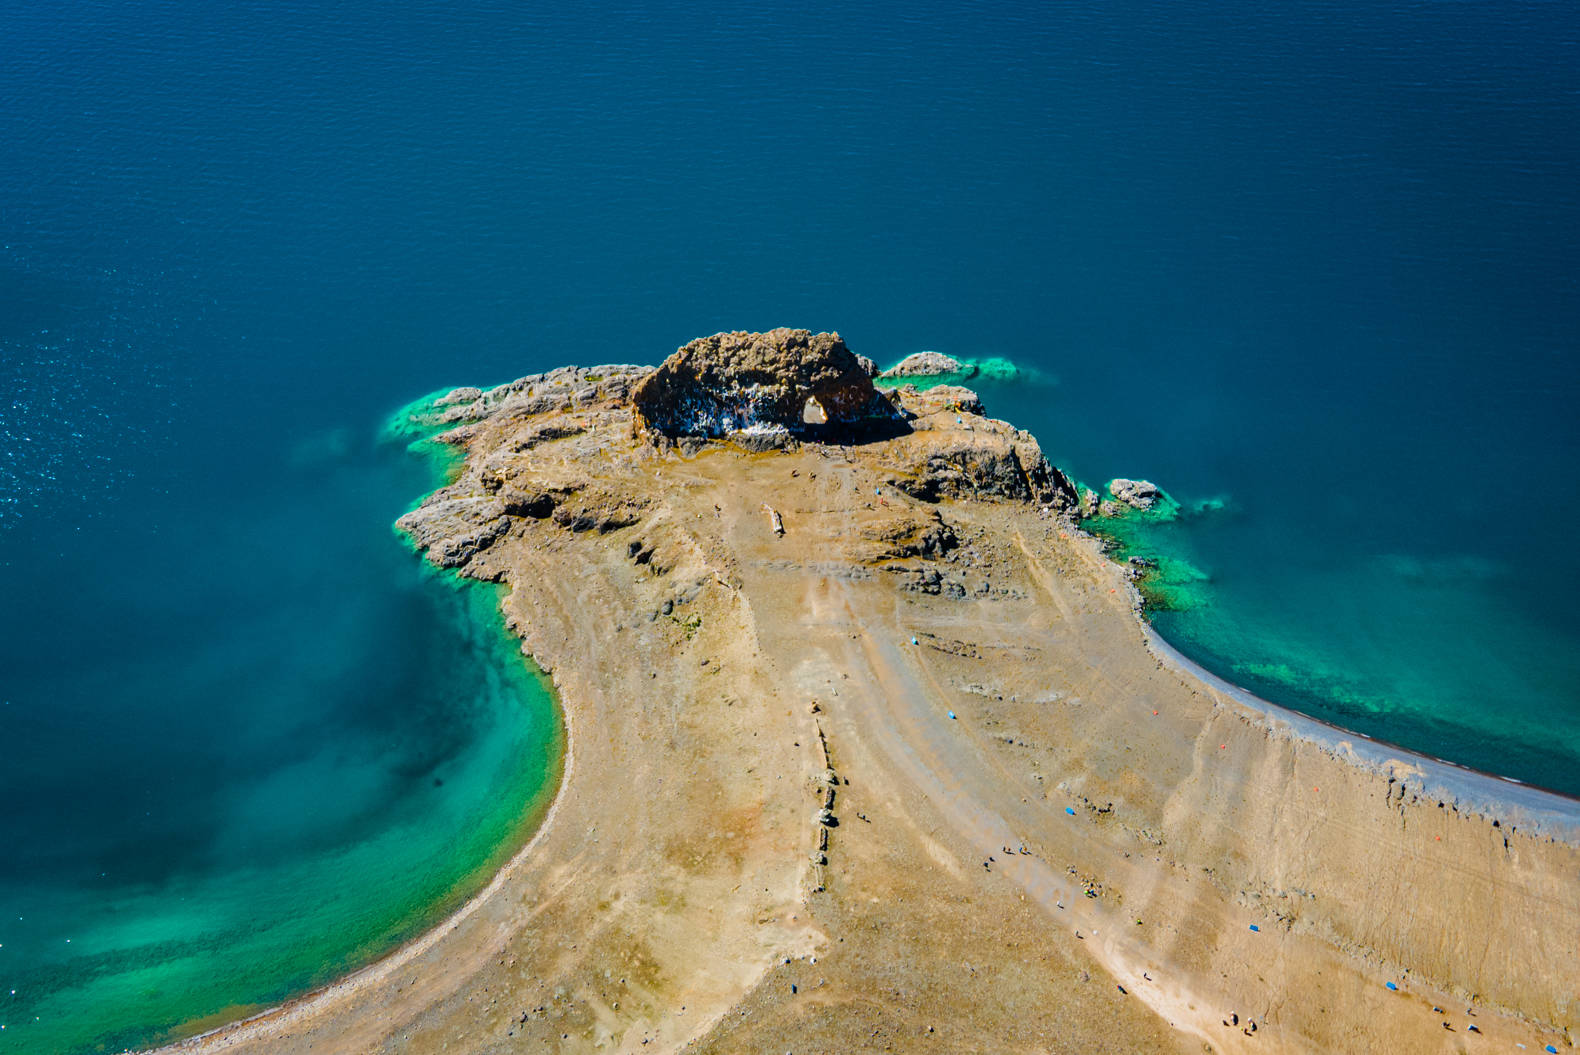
(874, 430)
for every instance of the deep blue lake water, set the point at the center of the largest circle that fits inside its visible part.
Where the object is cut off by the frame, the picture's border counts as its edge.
(1317, 260)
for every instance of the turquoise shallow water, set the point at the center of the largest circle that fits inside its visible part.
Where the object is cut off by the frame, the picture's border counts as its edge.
(1317, 260)
(297, 765)
(1439, 653)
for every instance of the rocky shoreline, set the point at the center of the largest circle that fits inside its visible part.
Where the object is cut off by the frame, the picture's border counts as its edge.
(872, 753)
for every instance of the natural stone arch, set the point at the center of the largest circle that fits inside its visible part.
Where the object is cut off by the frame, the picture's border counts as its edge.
(760, 382)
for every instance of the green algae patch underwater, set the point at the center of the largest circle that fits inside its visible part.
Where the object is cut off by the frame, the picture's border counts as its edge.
(1179, 600)
(1332, 646)
(990, 370)
(1155, 542)
(416, 427)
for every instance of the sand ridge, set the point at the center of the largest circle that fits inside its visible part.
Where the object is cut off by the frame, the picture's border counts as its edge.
(1045, 837)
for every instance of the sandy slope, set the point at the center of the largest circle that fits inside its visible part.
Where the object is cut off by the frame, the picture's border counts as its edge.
(1072, 860)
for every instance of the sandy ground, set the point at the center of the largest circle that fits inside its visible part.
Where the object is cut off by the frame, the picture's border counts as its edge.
(1046, 836)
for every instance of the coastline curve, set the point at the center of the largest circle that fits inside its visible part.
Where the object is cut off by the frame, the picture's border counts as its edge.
(302, 1008)
(876, 713)
(1537, 809)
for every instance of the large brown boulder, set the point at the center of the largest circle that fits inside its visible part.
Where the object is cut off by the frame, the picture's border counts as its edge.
(785, 381)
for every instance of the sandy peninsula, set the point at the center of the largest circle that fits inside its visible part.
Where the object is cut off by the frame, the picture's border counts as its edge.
(870, 750)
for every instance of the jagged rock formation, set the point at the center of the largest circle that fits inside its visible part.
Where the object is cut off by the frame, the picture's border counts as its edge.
(958, 453)
(1137, 494)
(558, 389)
(783, 381)
(929, 364)
(455, 529)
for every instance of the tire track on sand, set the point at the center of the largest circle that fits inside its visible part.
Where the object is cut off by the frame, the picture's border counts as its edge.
(913, 732)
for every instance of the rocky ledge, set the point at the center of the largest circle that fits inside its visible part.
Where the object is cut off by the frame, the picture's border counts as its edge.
(789, 385)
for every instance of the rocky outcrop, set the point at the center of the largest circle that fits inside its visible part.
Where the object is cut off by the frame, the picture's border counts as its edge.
(454, 530)
(1137, 494)
(955, 452)
(985, 465)
(457, 397)
(577, 504)
(936, 444)
(783, 381)
(905, 534)
(929, 364)
(940, 399)
(561, 389)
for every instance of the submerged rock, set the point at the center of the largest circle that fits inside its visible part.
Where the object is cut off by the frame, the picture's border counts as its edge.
(929, 364)
(783, 381)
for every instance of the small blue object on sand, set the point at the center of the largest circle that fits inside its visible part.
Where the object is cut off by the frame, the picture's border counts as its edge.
(1395, 988)
(1256, 928)
(951, 716)
(1070, 811)
(913, 641)
(1551, 1049)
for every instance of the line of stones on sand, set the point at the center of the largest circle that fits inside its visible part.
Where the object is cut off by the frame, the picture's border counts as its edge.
(826, 781)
